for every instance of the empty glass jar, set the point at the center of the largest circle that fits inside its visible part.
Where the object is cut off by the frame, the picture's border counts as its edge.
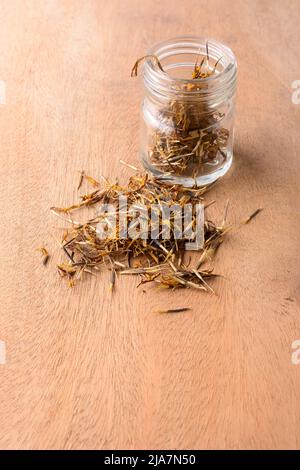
(188, 110)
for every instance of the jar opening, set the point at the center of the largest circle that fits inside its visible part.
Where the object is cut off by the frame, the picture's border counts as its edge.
(178, 58)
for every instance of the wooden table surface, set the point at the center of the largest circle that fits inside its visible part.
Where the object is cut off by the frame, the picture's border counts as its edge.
(87, 369)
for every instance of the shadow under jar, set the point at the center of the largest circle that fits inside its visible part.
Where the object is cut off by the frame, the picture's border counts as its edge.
(188, 111)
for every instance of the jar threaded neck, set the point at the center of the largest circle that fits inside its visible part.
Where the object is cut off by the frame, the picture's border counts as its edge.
(178, 57)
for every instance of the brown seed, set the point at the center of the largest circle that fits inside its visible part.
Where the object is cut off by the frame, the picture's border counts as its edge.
(175, 310)
(45, 254)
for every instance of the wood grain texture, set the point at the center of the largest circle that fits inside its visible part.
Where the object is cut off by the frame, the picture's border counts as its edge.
(89, 370)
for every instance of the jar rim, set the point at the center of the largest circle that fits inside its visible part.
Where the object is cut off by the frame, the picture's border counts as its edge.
(163, 83)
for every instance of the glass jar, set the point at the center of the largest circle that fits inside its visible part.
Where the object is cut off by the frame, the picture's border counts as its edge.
(188, 111)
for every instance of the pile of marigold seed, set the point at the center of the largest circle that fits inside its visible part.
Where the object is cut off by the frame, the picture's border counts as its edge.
(164, 262)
